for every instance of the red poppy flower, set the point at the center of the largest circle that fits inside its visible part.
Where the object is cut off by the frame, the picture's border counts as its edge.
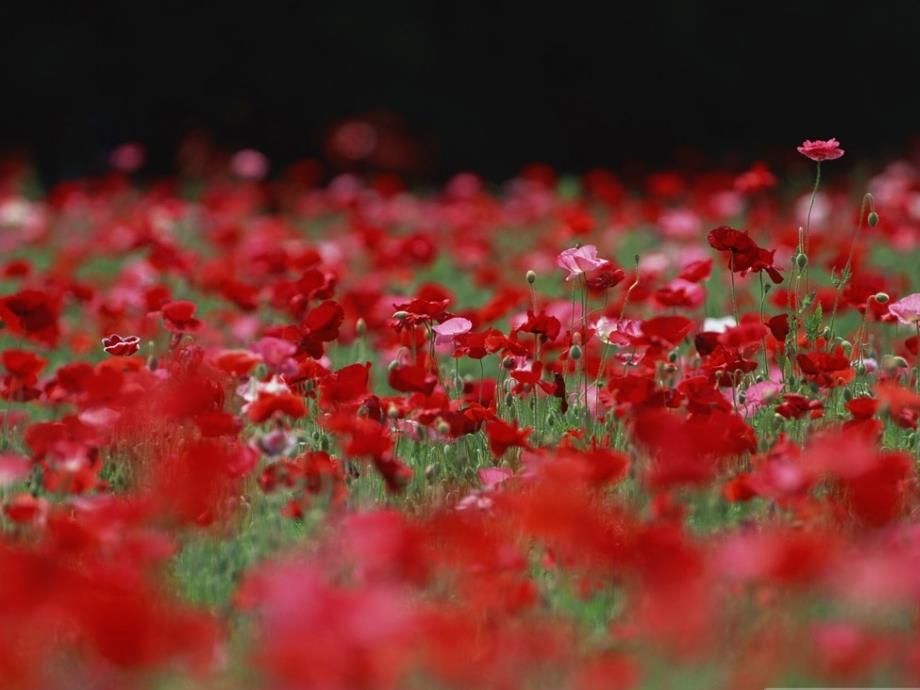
(503, 436)
(270, 404)
(33, 314)
(179, 316)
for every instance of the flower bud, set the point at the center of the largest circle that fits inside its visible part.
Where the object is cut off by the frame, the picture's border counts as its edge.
(873, 219)
(392, 412)
(442, 427)
(881, 297)
(575, 352)
(360, 326)
(430, 471)
(894, 362)
(531, 277)
(801, 260)
(400, 315)
(508, 362)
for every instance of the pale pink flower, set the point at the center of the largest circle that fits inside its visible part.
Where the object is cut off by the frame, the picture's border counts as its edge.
(907, 309)
(449, 329)
(249, 164)
(821, 150)
(127, 158)
(581, 260)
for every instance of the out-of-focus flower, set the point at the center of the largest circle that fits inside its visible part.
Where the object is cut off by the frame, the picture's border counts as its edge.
(907, 309)
(249, 164)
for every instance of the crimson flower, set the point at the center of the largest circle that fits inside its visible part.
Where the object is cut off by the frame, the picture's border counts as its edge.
(503, 436)
(121, 346)
(179, 316)
(33, 314)
(744, 254)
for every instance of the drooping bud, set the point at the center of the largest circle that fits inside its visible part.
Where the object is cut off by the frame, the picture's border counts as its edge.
(531, 277)
(873, 219)
(400, 315)
(881, 297)
(894, 362)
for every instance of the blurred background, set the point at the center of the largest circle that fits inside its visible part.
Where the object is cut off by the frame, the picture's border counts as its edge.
(427, 89)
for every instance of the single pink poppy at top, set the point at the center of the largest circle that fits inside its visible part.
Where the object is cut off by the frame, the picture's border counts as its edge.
(907, 309)
(581, 260)
(821, 150)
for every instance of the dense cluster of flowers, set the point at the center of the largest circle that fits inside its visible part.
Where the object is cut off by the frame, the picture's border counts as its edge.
(585, 433)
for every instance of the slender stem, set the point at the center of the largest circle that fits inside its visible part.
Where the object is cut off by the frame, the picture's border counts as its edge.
(731, 278)
(763, 296)
(846, 275)
(811, 204)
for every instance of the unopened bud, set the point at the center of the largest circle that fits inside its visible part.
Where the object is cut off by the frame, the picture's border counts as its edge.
(430, 471)
(873, 219)
(575, 352)
(847, 347)
(894, 362)
(508, 362)
(672, 356)
(400, 315)
(531, 277)
(360, 326)
(801, 260)
(882, 297)
(392, 412)
(442, 427)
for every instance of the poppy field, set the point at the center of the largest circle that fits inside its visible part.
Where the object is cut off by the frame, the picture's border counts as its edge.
(332, 432)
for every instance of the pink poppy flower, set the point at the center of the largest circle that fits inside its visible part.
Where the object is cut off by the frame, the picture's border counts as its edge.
(581, 260)
(450, 328)
(821, 150)
(249, 164)
(907, 309)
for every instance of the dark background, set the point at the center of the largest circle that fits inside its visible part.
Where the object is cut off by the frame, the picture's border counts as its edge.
(488, 87)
